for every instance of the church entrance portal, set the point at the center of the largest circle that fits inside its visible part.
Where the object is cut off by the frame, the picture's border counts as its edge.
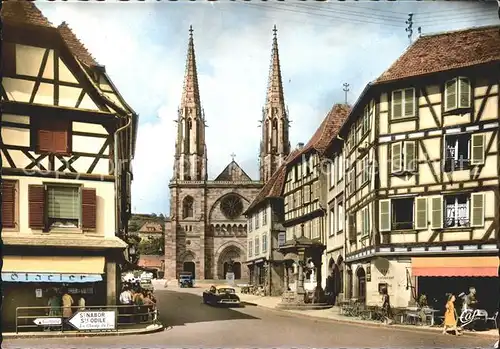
(190, 267)
(229, 255)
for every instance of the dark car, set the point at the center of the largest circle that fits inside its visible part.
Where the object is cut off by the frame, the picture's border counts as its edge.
(221, 296)
(186, 279)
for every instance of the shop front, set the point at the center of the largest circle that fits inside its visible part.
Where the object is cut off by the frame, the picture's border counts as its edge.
(28, 281)
(437, 276)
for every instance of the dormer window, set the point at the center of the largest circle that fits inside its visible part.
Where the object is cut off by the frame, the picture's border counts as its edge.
(403, 103)
(457, 94)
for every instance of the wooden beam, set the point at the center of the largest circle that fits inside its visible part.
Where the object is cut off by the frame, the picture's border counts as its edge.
(429, 162)
(431, 107)
(488, 232)
(100, 155)
(483, 103)
(8, 157)
(40, 74)
(54, 174)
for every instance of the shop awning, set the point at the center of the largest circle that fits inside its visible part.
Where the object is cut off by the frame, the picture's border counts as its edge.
(455, 266)
(67, 269)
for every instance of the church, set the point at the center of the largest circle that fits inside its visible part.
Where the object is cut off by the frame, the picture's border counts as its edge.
(207, 229)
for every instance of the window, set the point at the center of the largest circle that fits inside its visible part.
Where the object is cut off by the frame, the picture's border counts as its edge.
(63, 206)
(340, 217)
(331, 217)
(403, 157)
(402, 214)
(340, 167)
(281, 239)
(464, 210)
(463, 150)
(52, 136)
(250, 249)
(351, 181)
(352, 137)
(436, 212)
(384, 215)
(257, 246)
(307, 193)
(421, 219)
(364, 170)
(264, 243)
(332, 172)
(403, 103)
(315, 233)
(365, 221)
(187, 207)
(457, 94)
(366, 120)
(351, 220)
(257, 219)
(264, 216)
(250, 228)
(9, 204)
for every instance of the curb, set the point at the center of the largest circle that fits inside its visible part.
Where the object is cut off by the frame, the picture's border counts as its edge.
(82, 334)
(376, 325)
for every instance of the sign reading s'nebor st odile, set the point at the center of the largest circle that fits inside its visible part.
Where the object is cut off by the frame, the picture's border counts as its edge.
(94, 320)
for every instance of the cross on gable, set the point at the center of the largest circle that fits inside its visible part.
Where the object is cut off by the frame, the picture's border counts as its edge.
(233, 155)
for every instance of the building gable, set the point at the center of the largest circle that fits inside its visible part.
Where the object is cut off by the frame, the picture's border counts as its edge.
(233, 173)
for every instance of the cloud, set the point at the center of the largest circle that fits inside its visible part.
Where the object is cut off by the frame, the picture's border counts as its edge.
(144, 49)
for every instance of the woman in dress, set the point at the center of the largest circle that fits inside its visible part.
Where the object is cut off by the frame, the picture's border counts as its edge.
(67, 302)
(450, 319)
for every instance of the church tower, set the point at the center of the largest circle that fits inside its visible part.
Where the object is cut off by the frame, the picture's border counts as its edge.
(275, 144)
(190, 148)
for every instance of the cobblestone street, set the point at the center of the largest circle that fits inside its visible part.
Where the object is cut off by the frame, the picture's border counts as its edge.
(190, 323)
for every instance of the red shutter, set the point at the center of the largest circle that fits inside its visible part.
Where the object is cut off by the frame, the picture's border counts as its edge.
(36, 202)
(60, 142)
(89, 208)
(9, 204)
(45, 141)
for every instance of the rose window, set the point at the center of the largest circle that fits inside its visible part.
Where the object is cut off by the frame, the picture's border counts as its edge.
(231, 206)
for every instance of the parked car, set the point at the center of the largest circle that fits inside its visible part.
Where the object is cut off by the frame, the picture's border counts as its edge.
(221, 296)
(186, 279)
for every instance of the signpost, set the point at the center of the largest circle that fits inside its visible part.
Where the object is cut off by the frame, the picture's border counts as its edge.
(94, 320)
(48, 321)
(230, 278)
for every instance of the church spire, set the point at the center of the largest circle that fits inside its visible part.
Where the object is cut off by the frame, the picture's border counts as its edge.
(191, 92)
(275, 145)
(191, 154)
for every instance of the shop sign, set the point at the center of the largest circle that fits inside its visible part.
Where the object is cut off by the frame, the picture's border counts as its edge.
(94, 320)
(44, 277)
(48, 321)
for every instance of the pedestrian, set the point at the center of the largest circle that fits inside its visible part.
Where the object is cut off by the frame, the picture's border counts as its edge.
(450, 319)
(81, 303)
(386, 306)
(54, 303)
(126, 302)
(67, 302)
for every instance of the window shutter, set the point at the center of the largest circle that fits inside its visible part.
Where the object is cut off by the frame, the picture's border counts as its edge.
(396, 157)
(352, 227)
(45, 141)
(409, 156)
(464, 93)
(60, 142)
(362, 219)
(397, 104)
(451, 94)
(385, 215)
(477, 209)
(8, 204)
(89, 208)
(366, 221)
(409, 100)
(477, 146)
(421, 213)
(437, 212)
(36, 204)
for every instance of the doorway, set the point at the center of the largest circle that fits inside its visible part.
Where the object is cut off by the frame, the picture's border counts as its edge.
(190, 267)
(236, 270)
(360, 274)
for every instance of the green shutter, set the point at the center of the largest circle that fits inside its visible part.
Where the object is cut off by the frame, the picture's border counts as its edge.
(421, 213)
(477, 147)
(385, 215)
(396, 157)
(477, 209)
(464, 93)
(451, 94)
(410, 157)
(397, 104)
(437, 212)
(409, 102)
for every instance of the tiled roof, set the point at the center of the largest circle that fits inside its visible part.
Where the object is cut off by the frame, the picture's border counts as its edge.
(274, 186)
(151, 227)
(75, 45)
(327, 130)
(445, 51)
(23, 11)
(150, 261)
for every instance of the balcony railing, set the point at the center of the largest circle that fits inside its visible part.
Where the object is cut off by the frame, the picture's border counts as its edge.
(402, 225)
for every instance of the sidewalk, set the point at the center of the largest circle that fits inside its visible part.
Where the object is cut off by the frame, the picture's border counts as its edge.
(53, 334)
(333, 314)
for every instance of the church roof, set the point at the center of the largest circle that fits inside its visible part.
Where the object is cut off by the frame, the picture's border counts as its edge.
(328, 129)
(191, 91)
(274, 187)
(233, 173)
(275, 95)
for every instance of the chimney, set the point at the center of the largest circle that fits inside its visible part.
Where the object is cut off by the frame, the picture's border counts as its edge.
(300, 146)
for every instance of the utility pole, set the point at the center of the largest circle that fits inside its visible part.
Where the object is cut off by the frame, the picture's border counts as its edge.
(345, 89)
(409, 28)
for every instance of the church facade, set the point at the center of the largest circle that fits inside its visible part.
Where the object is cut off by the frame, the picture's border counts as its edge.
(207, 231)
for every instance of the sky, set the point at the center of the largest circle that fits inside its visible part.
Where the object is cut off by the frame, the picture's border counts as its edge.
(322, 46)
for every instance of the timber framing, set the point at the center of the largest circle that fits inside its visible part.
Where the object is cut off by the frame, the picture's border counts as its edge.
(55, 174)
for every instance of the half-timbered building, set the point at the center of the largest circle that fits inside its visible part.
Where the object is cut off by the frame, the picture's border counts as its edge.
(422, 172)
(67, 141)
(305, 196)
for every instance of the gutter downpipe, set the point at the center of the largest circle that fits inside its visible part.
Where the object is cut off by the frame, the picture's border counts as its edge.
(127, 125)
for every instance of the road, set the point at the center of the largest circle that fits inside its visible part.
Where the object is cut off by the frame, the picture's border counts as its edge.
(193, 324)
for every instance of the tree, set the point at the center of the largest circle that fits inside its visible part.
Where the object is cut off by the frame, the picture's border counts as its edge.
(152, 246)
